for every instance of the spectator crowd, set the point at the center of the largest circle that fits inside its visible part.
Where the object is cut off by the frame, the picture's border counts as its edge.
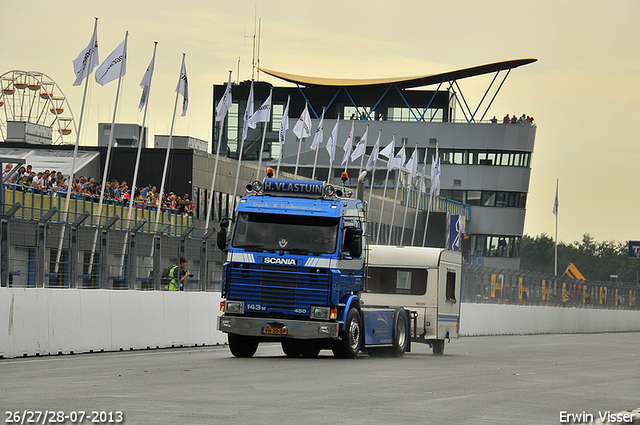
(53, 182)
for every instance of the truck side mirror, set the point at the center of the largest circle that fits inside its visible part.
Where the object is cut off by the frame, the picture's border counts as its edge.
(222, 239)
(353, 241)
(222, 234)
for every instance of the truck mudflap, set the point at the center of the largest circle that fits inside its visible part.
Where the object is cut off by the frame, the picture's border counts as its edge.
(270, 328)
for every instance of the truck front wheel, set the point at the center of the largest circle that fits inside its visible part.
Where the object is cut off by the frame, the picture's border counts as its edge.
(242, 346)
(351, 342)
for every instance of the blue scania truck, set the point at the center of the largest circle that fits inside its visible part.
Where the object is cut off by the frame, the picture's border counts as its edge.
(295, 272)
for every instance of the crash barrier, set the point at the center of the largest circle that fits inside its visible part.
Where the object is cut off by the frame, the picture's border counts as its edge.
(35, 322)
(486, 285)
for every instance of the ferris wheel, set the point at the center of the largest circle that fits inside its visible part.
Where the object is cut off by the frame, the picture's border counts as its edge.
(33, 97)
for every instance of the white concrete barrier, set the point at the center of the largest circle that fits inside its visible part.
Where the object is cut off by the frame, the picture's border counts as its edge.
(499, 319)
(52, 321)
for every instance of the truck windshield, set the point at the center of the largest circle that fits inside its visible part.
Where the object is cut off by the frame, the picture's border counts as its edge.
(296, 234)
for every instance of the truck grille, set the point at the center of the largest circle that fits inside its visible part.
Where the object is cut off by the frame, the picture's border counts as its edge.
(279, 287)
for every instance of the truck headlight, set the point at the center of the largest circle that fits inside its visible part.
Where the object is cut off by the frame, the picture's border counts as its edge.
(236, 307)
(320, 313)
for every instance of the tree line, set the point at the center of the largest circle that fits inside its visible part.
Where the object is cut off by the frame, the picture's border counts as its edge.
(595, 260)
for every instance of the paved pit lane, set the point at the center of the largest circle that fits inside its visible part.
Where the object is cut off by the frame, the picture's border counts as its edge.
(479, 380)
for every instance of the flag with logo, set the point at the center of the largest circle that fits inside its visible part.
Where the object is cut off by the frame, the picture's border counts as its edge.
(358, 151)
(225, 103)
(113, 66)
(146, 82)
(284, 125)
(347, 145)
(81, 65)
(398, 160)
(183, 89)
(302, 128)
(374, 154)
(332, 142)
(248, 112)
(263, 114)
(317, 138)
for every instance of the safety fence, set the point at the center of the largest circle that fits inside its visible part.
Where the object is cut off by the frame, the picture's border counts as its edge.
(40, 249)
(500, 286)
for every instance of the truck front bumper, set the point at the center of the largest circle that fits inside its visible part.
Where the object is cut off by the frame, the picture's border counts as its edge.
(284, 328)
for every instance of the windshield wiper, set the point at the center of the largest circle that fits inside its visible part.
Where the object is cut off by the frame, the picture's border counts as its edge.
(297, 251)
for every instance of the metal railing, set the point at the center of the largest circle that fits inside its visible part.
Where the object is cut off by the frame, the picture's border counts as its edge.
(501, 286)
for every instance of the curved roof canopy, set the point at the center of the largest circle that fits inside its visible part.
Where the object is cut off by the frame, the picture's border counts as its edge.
(405, 82)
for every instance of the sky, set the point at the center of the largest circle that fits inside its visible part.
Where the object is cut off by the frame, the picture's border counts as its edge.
(583, 91)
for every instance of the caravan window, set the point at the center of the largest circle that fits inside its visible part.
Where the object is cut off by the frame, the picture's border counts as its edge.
(387, 280)
(451, 286)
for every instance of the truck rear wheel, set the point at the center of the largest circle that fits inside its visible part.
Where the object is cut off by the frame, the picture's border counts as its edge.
(400, 333)
(349, 346)
(242, 346)
(438, 347)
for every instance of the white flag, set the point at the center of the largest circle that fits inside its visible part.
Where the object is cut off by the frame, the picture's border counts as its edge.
(263, 114)
(183, 88)
(359, 149)
(302, 128)
(146, 83)
(423, 184)
(435, 174)
(347, 145)
(109, 70)
(398, 160)
(332, 142)
(81, 66)
(317, 138)
(374, 154)
(225, 103)
(412, 164)
(248, 112)
(284, 125)
(388, 150)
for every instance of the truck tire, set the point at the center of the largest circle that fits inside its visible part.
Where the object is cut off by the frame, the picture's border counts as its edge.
(400, 333)
(351, 338)
(438, 347)
(242, 346)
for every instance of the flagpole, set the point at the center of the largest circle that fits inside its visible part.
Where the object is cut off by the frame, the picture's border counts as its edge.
(435, 164)
(350, 140)
(215, 167)
(384, 193)
(395, 199)
(301, 140)
(132, 191)
(321, 135)
(408, 195)
(75, 154)
(245, 130)
(108, 157)
(373, 171)
(555, 269)
(282, 133)
(166, 158)
(332, 155)
(264, 135)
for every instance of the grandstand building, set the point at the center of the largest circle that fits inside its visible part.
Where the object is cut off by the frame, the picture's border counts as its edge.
(486, 165)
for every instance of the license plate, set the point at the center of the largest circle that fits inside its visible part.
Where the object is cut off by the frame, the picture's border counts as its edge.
(274, 331)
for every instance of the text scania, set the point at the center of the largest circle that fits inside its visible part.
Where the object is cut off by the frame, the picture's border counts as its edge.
(287, 261)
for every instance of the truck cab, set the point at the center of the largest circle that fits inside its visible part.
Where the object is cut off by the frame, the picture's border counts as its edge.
(295, 262)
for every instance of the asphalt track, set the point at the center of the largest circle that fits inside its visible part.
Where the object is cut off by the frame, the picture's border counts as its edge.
(479, 380)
